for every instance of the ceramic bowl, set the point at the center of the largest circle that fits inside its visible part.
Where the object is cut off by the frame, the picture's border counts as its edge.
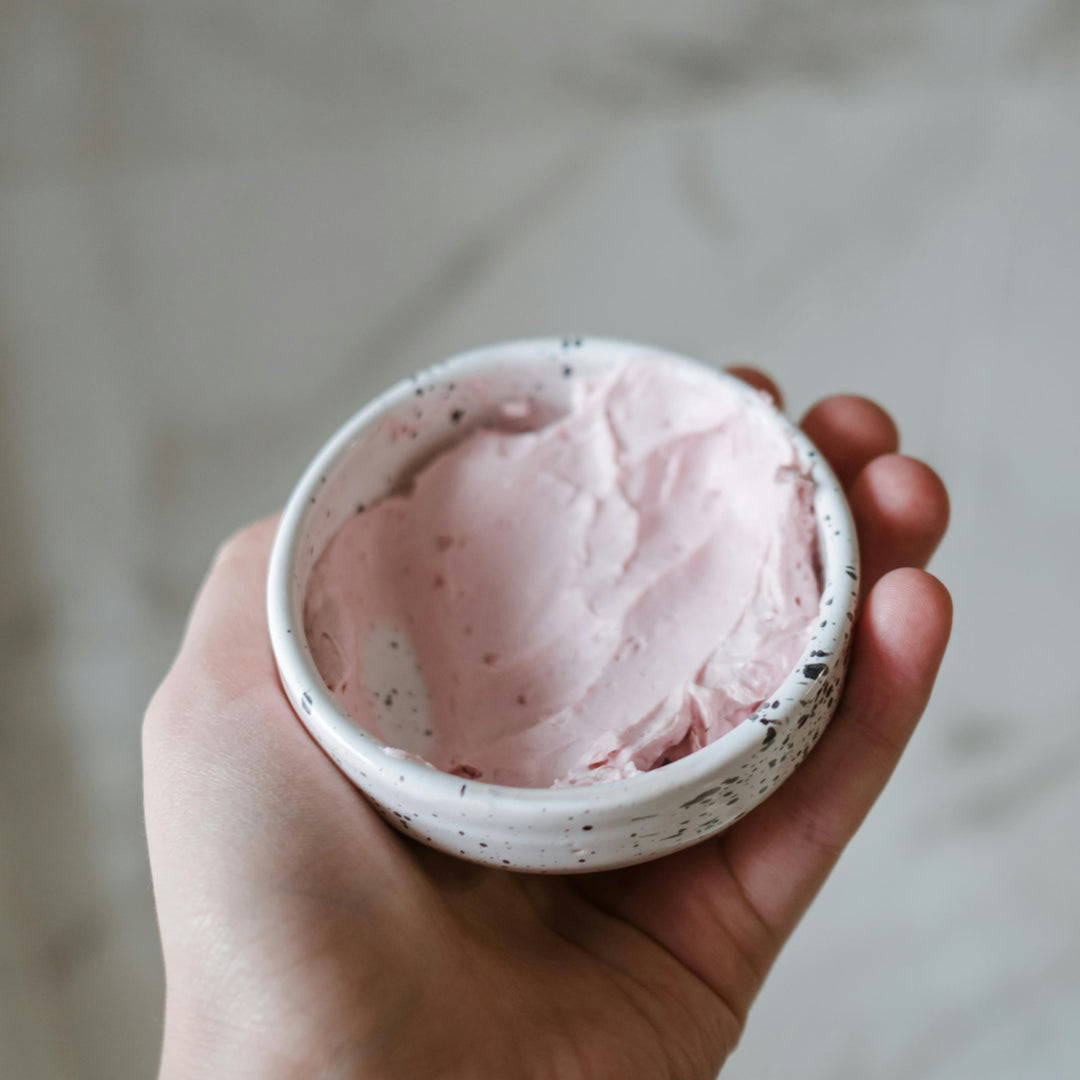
(555, 830)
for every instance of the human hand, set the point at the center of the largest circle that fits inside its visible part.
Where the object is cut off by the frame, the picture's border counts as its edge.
(303, 937)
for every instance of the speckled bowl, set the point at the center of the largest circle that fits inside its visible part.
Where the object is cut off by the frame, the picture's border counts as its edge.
(554, 830)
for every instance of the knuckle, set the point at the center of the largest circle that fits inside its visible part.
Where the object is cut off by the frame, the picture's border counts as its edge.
(157, 719)
(246, 542)
(819, 827)
(235, 545)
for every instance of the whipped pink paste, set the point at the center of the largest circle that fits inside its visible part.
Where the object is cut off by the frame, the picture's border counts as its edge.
(586, 601)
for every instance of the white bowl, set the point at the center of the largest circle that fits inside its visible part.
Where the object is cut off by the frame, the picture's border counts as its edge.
(569, 829)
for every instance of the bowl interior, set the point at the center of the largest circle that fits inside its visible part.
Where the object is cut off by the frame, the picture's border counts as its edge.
(398, 432)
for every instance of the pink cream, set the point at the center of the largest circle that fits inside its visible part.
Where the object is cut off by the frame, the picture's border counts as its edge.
(586, 601)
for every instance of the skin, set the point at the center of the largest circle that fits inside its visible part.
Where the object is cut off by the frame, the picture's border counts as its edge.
(302, 937)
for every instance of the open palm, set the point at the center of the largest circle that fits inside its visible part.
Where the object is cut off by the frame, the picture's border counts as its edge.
(303, 937)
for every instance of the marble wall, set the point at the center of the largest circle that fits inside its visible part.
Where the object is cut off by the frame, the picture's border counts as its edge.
(223, 226)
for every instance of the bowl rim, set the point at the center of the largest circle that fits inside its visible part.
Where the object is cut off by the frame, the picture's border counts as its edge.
(341, 735)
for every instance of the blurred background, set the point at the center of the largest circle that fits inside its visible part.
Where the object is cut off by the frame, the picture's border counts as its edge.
(223, 226)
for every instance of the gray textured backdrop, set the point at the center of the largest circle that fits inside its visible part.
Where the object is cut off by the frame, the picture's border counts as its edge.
(223, 226)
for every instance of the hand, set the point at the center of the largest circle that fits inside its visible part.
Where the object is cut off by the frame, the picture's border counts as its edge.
(302, 937)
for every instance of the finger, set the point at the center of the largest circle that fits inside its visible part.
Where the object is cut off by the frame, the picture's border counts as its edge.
(759, 381)
(783, 851)
(901, 511)
(850, 431)
(725, 907)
